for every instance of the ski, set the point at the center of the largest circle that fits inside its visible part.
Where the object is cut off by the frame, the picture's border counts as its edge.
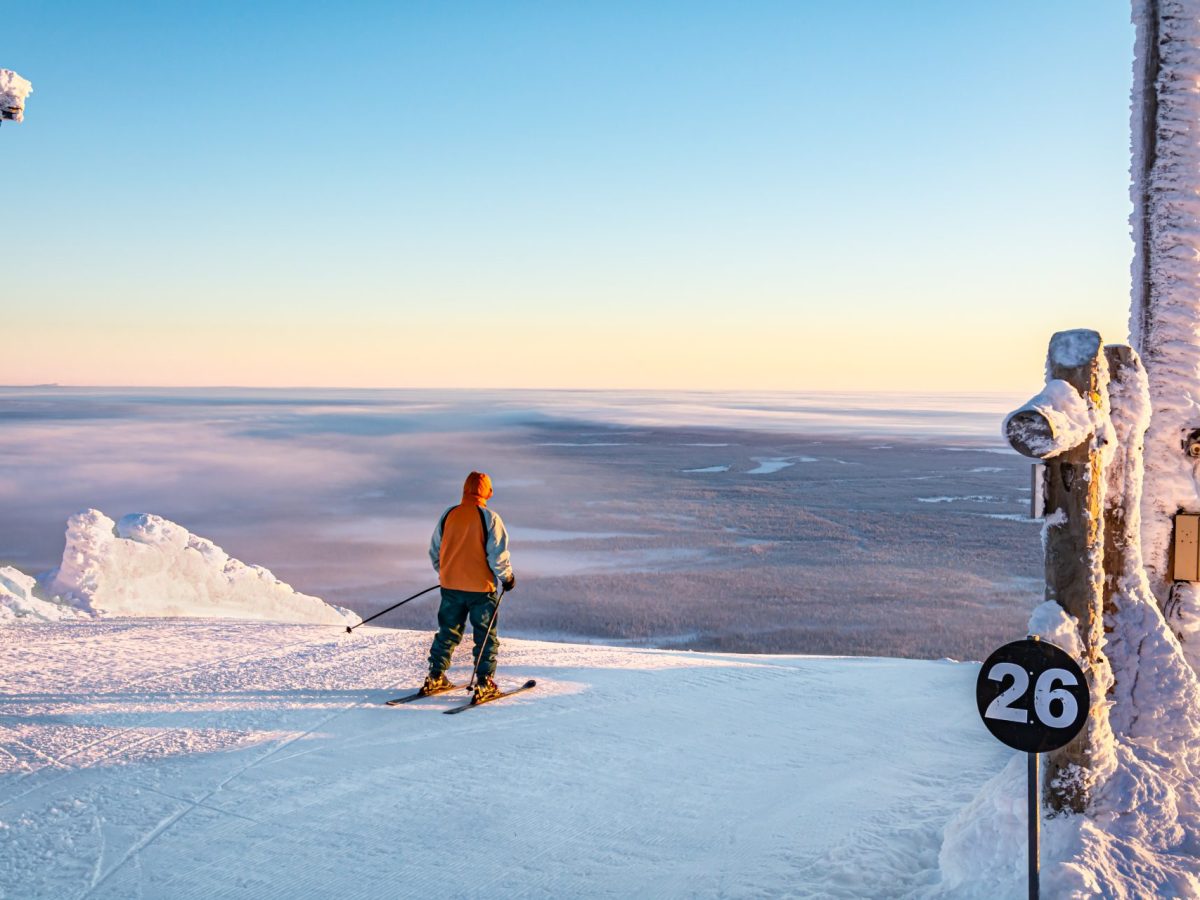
(419, 694)
(500, 696)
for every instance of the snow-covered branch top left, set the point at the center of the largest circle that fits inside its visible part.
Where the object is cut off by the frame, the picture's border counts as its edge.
(13, 91)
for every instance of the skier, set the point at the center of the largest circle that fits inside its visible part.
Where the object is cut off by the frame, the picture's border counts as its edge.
(469, 551)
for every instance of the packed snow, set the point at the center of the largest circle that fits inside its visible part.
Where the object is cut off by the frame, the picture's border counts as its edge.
(205, 759)
(145, 565)
(13, 91)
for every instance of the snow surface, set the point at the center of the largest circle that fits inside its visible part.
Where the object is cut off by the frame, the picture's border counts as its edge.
(147, 566)
(213, 759)
(13, 91)
(201, 758)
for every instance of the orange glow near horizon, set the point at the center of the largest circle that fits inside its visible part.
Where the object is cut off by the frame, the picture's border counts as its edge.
(650, 354)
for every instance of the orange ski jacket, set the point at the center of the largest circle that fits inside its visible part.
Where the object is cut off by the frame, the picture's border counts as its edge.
(469, 548)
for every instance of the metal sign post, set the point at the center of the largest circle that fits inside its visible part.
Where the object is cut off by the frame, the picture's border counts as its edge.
(1036, 721)
(1034, 808)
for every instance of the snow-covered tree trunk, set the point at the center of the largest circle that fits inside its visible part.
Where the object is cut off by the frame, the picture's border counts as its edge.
(1165, 315)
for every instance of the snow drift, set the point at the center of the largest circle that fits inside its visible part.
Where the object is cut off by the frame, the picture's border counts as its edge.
(147, 566)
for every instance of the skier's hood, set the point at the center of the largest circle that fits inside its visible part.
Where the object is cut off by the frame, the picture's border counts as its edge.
(477, 489)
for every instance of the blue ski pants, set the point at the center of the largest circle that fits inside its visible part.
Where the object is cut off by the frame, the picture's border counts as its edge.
(456, 608)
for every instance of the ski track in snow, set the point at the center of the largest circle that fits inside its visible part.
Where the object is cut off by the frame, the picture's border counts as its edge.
(179, 759)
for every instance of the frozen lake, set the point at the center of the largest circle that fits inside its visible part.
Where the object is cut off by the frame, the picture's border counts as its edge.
(826, 523)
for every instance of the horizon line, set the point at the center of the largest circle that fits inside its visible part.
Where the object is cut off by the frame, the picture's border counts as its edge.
(574, 390)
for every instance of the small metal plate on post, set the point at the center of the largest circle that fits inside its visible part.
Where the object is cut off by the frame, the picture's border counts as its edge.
(1037, 491)
(1187, 547)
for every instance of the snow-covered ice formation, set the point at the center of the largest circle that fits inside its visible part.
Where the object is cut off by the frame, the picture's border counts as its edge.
(17, 601)
(147, 566)
(13, 91)
(1165, 310)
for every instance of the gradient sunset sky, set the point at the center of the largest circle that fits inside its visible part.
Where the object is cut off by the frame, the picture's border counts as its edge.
(753, 195)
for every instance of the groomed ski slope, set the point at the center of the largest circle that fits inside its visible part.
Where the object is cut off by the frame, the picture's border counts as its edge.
(211, 758)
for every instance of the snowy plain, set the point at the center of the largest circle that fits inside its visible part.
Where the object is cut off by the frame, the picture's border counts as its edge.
(645, 518)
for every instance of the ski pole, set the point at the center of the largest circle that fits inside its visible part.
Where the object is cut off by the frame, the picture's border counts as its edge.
(350, 628)
(486, 638)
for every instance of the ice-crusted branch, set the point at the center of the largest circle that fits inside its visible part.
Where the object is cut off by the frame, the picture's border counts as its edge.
(13, 91)
(1051, 422)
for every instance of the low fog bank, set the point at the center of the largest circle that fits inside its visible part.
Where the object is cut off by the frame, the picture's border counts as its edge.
(900, 534)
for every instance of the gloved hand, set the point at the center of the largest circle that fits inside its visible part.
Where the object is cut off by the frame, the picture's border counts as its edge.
(510, 584)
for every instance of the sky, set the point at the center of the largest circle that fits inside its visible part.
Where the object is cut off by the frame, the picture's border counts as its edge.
(679, 195)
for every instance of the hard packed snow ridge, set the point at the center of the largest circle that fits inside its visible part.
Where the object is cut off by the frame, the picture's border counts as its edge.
(17, 601)
(145, 565)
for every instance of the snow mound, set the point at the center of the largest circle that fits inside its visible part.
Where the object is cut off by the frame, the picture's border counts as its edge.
(147, 566)
(13, 91)
(17, 600)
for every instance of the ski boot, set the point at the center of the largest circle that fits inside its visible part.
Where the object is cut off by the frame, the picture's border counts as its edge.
(485, 689)
(435, 684)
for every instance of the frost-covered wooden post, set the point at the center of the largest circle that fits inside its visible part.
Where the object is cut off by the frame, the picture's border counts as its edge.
(1065, 427)
(1165, 314)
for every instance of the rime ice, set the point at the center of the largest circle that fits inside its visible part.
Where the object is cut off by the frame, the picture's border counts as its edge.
(13, 91)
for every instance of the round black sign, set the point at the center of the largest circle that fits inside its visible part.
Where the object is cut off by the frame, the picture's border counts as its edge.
(1032, 696)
